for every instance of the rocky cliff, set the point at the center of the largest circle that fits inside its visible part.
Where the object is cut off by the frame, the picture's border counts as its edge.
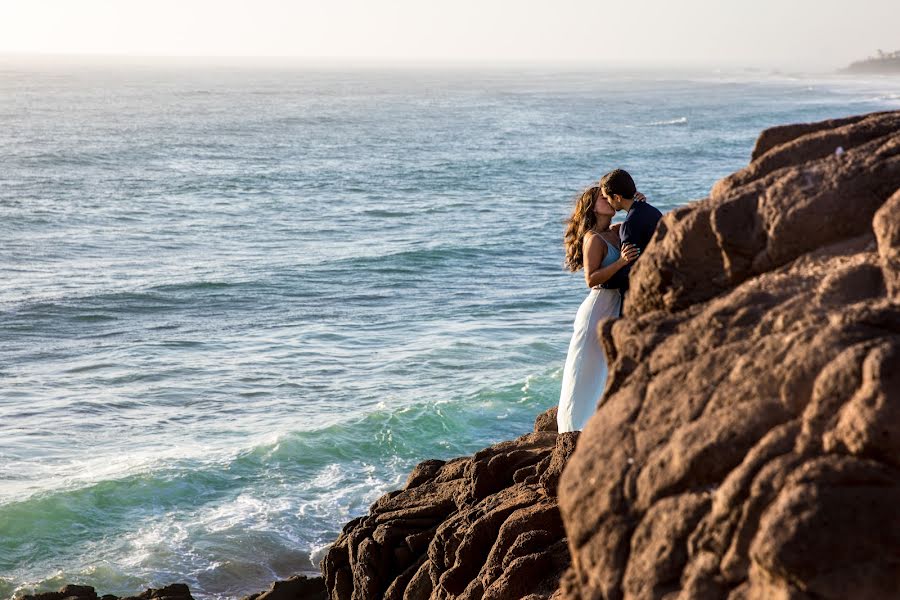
(749, 442)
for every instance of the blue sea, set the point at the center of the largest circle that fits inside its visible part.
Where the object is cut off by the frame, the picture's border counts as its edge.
(239, 303)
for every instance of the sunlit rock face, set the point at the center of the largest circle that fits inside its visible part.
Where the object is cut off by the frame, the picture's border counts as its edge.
(749, 442)
(485, 526)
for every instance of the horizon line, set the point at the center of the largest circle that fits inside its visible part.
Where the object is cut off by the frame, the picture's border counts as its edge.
(748, 65)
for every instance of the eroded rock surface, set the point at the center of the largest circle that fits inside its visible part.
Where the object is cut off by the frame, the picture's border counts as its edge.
(176, 591)
(298, 587)
(749, 443)
(486, 526)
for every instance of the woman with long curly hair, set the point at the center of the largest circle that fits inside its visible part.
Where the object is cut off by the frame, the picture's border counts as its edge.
(593, 246)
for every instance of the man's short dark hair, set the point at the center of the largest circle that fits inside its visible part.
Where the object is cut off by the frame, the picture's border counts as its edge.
(618, 182)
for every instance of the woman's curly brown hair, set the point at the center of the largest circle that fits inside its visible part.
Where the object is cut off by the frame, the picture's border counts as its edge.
(582, 220)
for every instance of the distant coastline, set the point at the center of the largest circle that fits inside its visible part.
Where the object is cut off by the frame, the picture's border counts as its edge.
(885, 63)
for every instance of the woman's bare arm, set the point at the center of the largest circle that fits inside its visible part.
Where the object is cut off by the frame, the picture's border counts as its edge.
(594, 253)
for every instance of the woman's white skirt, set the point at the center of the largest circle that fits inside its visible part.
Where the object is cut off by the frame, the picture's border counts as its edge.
(585, 374)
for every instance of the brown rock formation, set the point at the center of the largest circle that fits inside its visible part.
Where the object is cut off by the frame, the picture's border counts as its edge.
(298, 587)
(749, 443)
(485, 526)
(176, 591)
(295, 588)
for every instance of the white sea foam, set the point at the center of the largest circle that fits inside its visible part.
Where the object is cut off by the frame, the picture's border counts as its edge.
(678, 121)
(662, 123)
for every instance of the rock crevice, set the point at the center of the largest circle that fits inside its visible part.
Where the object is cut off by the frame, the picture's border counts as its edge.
(486, 526)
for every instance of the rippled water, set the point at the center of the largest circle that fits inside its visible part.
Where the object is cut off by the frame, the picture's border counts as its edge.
(237, 305)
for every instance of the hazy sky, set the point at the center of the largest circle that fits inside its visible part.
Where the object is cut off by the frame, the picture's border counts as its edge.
(787, 33)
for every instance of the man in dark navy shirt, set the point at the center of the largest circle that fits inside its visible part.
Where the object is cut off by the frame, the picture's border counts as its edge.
(618, 188)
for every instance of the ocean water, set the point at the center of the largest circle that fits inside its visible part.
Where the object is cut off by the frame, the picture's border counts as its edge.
(239, 304)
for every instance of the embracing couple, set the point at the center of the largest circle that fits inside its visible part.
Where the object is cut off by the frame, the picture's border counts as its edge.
(606, 253)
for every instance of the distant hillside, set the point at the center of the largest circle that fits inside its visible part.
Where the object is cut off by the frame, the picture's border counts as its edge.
(885, 63)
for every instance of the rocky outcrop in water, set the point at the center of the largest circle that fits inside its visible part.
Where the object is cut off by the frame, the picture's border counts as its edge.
(485, 526)
(749, 443)
(176, 591)
(295, 588)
